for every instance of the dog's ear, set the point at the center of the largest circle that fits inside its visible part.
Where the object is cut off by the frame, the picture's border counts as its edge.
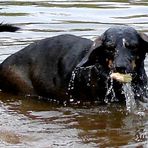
(93, 53)
(144, 41)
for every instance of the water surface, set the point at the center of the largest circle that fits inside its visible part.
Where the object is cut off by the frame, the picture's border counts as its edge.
(31, 122)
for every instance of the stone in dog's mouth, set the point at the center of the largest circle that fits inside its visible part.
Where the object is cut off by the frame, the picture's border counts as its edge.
(123, 78)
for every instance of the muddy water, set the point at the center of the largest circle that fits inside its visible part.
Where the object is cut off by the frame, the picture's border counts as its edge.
(31, 122)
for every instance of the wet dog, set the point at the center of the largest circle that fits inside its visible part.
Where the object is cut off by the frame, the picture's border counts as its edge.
(68, 67)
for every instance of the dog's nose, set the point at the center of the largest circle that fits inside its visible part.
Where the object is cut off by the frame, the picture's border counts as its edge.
(120, 69)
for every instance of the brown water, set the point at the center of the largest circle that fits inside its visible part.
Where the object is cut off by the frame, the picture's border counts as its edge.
(31, 122)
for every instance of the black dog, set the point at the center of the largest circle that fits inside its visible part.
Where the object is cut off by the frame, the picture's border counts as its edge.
(68, 66)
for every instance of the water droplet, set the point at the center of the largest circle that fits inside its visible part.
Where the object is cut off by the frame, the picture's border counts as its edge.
(71, 100)
(110, 91)
(65, 103)
(78, 102)
(70, 96)
(138, 95)
(88, 84)
(140, 113)
(106, 100)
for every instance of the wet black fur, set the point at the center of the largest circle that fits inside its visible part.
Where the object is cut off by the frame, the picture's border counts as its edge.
(8, 28)
(45, 67)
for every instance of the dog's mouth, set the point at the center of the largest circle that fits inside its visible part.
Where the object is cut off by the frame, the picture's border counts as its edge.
(121, 72)
(120, 77)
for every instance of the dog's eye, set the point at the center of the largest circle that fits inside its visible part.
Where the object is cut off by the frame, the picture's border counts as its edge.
(132, 46)
(109, 47)
(133, 49)
(110, 44)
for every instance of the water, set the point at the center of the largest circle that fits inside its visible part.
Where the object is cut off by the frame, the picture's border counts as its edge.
(129, 95)
(77, 73)
(31, 122)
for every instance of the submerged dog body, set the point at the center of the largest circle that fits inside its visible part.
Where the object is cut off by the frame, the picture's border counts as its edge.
(44, 67)
(68, 66)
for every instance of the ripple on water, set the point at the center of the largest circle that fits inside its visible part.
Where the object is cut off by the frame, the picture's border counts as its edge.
(33, 123)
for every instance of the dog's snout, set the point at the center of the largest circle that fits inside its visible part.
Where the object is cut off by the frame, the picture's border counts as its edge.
(120, 69)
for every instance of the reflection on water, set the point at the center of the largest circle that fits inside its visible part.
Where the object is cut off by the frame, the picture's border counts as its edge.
(26, 122)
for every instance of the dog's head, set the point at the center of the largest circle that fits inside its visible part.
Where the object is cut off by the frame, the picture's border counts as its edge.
(120, 49)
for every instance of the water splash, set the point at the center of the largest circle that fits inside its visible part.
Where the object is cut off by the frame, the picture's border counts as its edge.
(110, 94)
(71, 84)
(127, 90)
(129, 96)
(79, 72)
